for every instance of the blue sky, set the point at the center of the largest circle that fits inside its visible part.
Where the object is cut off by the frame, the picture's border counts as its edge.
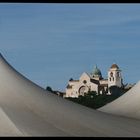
(51, 43)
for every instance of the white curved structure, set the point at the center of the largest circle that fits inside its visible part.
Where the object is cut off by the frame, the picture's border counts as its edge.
(28, 110)
(127, 105)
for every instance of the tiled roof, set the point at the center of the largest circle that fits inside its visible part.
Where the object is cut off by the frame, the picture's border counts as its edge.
(114, 66)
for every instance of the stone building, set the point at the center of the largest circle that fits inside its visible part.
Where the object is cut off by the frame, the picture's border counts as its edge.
(94, 82)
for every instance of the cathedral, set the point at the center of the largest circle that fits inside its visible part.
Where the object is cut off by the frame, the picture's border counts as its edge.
(94, 82)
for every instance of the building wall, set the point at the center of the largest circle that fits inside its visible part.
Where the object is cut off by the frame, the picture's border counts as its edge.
(72, 92)
(84, 84)
(103, 82)
(114, 80)
(94, 87)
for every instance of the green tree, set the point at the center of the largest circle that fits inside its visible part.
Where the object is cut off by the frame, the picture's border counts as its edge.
(92, 100)
(116, 91)
(71, 79)
(48, 88)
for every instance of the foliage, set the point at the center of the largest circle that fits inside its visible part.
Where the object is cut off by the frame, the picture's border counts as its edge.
(92, 100)
(49, 89)
(71, 79)
(116, 91)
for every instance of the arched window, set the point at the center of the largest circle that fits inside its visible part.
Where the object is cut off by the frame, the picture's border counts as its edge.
(111, 74)
(118, 74)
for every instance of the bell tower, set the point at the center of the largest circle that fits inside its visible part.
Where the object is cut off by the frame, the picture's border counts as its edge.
(114, 76)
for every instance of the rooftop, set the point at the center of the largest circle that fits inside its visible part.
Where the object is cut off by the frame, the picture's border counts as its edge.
(114, 66)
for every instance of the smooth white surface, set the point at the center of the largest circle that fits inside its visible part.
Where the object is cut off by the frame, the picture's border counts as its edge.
(29, 110)
(7, 128)
(127, 105)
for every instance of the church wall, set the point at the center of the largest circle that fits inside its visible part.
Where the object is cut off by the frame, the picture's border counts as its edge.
(72, 92)
(103, 81)
(83, 77)
(94, 87)
(115, 80)
(85, 81)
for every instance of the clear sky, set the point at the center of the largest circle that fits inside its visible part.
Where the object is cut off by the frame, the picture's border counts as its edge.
(51, 43)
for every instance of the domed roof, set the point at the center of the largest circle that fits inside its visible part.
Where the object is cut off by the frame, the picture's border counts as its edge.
(96, 72)
(114, 66)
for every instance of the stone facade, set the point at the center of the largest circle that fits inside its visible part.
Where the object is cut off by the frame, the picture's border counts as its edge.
(94, 82)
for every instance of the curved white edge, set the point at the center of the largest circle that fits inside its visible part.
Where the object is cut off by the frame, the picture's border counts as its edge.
(34, 112)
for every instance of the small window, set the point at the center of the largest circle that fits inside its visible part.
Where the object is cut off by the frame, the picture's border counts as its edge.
(110, 79)
(111, 74)
(84, 81)
(118, 75)
(113, 78)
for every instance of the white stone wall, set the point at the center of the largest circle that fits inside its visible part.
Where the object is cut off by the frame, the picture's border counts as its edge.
(74, 91)
(84, 80)
(83, 77)
(89, 84)
(94, 87)
(115, 80)
(103, 82)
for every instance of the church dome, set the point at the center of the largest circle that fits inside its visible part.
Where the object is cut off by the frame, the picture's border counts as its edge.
(114, 66)
(96, 72)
